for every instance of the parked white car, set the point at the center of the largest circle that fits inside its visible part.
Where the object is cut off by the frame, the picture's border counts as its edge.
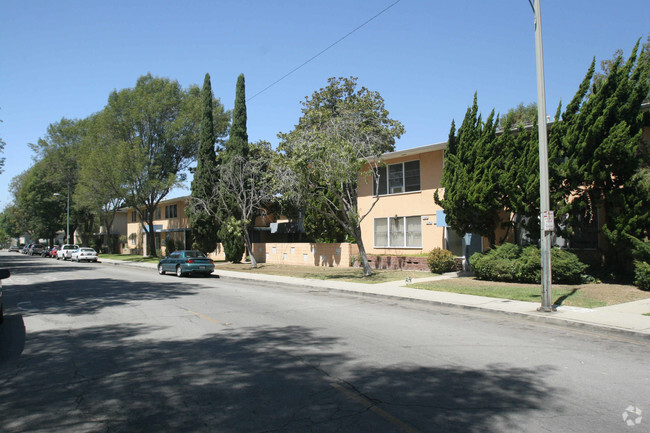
(83, 254)
(66, 251)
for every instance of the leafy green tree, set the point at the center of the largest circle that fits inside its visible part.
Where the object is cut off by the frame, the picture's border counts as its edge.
(59, 151)
(37, 201)
(321, 228)
(521, 115)
(12, 222)
(338, 140)
(154, 136)
(472, 176)
(203, 222)
(248, 184)
(100, 185)
(232, 239)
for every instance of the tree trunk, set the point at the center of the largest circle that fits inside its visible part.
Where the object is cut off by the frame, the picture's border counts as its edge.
(249, 247)
(151, 240)
(367, 270)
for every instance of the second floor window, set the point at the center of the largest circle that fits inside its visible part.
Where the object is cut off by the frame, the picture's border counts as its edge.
(156, 214)
(134, 217)
(171, 211)
(398, 178)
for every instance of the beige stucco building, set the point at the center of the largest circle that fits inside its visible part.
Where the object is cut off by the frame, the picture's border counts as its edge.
(170, 222)
(405, 219)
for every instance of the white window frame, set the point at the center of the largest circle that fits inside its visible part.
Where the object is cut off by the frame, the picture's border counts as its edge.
(389, 191)
(405, 235)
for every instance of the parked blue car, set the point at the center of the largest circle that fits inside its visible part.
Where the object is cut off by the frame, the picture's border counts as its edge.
(186, 262)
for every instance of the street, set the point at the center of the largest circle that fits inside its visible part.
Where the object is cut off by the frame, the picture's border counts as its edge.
(90, 347)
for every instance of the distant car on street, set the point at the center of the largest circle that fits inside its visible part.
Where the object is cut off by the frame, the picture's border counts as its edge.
(35, 249)
(186, 262)
(4, 273)
(50, 252)
(83, 254)
(66, 251)
(14, 249)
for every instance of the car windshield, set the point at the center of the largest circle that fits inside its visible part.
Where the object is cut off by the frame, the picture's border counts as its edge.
(87, 250)
(194, 254)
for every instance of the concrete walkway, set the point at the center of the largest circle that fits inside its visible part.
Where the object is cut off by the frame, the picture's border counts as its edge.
(625, 318)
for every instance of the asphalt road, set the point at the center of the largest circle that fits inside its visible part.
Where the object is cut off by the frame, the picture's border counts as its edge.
(98, 348)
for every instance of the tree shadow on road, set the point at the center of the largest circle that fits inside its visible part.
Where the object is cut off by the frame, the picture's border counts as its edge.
(245, 379)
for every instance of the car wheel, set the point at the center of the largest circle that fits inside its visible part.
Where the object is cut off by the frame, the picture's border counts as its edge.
(161, 271)
(179, 271)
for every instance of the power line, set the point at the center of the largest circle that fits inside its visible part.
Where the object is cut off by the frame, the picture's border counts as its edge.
(321, 52)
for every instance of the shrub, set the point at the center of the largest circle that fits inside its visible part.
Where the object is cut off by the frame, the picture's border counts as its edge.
(641, 253)
(642, 275)
(170, 246)
(511, 263)
(232, 240)
(566, 267)
(441, 261)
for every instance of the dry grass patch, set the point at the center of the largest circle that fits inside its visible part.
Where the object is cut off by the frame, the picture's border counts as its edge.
(584, 295)
(354, 275)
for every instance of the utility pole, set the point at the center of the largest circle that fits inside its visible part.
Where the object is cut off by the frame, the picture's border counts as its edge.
(547, 224)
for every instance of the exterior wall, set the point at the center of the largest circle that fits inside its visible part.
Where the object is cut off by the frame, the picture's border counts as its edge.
(301, 254)
(420, 203)
(179, 222)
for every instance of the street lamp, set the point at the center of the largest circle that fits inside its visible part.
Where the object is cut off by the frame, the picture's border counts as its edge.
(546, 215)
(67, 229)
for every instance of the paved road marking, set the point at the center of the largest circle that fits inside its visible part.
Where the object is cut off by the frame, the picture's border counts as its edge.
(353, 395)
(203, 316)
(374, 408)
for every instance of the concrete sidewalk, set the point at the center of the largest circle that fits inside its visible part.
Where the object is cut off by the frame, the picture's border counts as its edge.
(625, 318)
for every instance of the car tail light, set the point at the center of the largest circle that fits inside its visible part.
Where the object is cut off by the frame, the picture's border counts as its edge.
(189, 261)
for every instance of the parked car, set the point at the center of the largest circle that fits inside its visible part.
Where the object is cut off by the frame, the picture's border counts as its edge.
(186, 262)
(83, 254)
(35, 249)
(66, 251)
(4, 273)
(50, 252)
(14, 249)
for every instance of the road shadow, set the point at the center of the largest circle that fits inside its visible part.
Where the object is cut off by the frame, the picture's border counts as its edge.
(12, 338)
(81, 293)
(250, 379)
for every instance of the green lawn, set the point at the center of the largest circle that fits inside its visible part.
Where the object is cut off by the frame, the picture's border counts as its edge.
(584, 295)
(130, 258)
(354, 275)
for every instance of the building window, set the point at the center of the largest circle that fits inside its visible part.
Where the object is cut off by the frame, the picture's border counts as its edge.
(393, 232)
(171, 211)
(586, 233)
(397, 178)
(134, 217)
(156, 214)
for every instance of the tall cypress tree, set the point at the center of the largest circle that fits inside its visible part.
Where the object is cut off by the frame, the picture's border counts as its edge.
(471, 176)
(201, 220)
(237, 144)
(238, 139)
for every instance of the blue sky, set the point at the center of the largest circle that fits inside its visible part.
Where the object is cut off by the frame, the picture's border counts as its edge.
(426, 58)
